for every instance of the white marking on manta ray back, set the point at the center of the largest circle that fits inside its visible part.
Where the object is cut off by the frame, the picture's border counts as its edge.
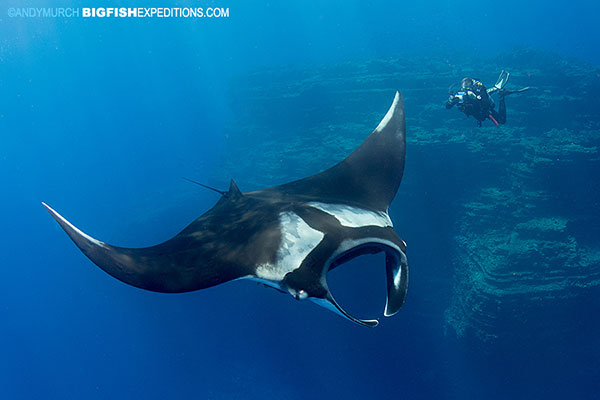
(297, 241)
(353, 217)
(389, 114)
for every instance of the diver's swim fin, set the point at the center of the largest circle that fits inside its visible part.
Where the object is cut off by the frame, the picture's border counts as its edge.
(500, 82)
(521, 90)
(504, 92)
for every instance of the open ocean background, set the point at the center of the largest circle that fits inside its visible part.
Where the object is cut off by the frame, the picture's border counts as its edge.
(100, 118)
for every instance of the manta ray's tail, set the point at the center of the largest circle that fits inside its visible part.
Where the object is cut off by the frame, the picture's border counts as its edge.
(152, 268)
(221, 192)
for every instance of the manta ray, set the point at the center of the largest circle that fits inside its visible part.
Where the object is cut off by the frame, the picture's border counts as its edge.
(287, 237)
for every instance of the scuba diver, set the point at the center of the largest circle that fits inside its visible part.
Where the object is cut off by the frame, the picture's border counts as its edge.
(474, 99)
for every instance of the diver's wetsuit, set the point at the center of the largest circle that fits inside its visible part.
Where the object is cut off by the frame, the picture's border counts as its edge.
(474, 100)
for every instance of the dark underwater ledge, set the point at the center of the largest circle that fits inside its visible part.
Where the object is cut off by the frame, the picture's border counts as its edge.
(520, 202)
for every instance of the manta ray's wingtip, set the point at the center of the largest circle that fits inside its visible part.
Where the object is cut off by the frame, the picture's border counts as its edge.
(80, 238)
(54, 214)
(59, 218)
(395, 114)
(398, 99)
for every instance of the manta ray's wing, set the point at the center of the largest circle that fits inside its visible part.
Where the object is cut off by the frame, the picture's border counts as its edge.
(368, 177)
(217, 247)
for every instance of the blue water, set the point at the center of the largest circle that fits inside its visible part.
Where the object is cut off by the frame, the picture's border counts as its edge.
(101, 117)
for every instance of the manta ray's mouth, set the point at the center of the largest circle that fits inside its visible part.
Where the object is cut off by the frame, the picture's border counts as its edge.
(396, 274)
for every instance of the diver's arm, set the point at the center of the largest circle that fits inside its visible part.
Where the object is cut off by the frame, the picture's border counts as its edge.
(451, 101)
(474, 95)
